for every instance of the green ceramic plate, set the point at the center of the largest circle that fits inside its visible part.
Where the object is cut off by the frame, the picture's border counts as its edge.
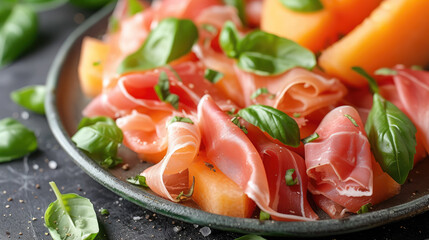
(65, 102)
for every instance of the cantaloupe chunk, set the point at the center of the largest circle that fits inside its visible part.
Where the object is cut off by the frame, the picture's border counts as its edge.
(216, 193)
(397, 32)
(92, 58)
(312, 30)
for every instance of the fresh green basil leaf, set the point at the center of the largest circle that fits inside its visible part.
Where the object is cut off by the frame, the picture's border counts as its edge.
(385, 72)
(100, 142)
(371, 81)
(91, 4)
(267, 54)
(303, 5)
(264, 216)
(138, 180)
(274, 122)
(240, 5)
(134, 7)
(170, 40)
(16, 140)
(18, 30)
(262, 91)
(229, 39)
(289, 177)
(31, 97)
(212, 75)
(310, 138)
(250, 237)
(180, 119)
(236, 121)
(85, 122)
(162, 89)
(392, 136)
(71, 217)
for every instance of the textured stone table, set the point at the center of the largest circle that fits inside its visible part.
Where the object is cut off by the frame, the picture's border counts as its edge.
(25, 181)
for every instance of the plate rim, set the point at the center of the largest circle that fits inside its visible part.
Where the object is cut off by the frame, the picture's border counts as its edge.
(162, 206)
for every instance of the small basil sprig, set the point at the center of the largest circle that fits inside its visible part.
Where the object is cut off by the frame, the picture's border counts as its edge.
(264, 53)
(16, 140)
(303, 5)
(71, 217)
(100, 141)
(18, 30)
(31, 97)
(391, 134)
(162, 90)
(274, 122)
(170, 40)
(240, 5)
(212, 75)
(86, 121)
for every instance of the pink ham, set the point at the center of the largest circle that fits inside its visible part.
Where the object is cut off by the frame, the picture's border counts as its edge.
(277, 160)
(169, 177)
(181, 8)
(232, 152)
(339, 161)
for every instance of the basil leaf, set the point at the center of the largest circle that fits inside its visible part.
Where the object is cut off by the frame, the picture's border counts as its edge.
(250, 237)
(181, 119)
(100, 142)
(15, 140)
(240, 5)
(393, 138)
(42, 5)
(162, 89)
(264, 216)
(385, 72)
(310, 138)
(170, 40)
(303, 5)
(85, 122)
(71, 217)
(212, 75)
(18, 30)
(138, 180)
(134, 7)
(261, 91)
(267, 54)
(289, 177)
(274, 122)
(371, 81)
(31, 97)
(236, 121)
(229, 39)
(90, 4)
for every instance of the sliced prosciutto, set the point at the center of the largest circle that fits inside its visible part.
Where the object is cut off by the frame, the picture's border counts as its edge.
(277, 159)
(169, 177)
(297, 91)
(181, 8)
(339, 162)
(228, 147)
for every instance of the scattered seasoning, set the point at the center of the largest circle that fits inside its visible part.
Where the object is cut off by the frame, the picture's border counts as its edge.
(46, 234)
(136, 218)
(210, 166)
(7, 206)
(35, 167)
(351, 119)
(289, 177)
(126, 167)
(37, 186)
(34, 219)
(10, 199)
(205, 231)
(177, 229)
(20, 233)
(52, 165)
(25, 115)
(21, 201)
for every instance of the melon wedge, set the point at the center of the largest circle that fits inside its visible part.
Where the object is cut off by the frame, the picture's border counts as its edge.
(216, 193)
(397, 32)
(92, 58)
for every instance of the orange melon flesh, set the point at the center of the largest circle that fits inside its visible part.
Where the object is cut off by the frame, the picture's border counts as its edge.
(397, 32)
(311, 30)
(216, 193)
(93, 56)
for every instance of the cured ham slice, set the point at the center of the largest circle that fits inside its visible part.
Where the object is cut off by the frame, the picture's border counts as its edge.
(277, 159)
(339, 161)
(182, 8)
(231, 151)
(297, 91)
(169, 177)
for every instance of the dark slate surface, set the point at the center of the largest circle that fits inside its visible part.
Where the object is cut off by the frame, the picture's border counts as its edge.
(22, 217)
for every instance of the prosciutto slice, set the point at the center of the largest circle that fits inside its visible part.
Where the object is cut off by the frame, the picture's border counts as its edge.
(277, 159)
(232, 152)
(339, 161)
(169, 177)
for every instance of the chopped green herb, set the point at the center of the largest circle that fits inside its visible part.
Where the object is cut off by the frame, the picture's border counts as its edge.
(212, 75)
(134, 7)
(209, 28)
(174, 72)
(138, 181)
(182, 196)
(162, 90)
(289, 177)
(417, 67)
(114, 24)
(96, 63)
(365, 208)
(180, 119)
(351, 120)
(236, 121)
(104, 212)
(310, 138)
(232, 112)
(386, 72)
(264, 216)
(261, 91)
(297, 115)
(210, 166)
